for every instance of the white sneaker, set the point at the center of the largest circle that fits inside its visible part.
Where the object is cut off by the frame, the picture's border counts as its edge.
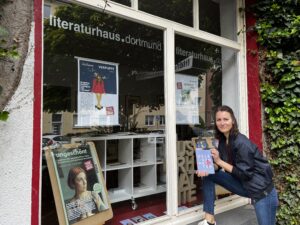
(204, 222)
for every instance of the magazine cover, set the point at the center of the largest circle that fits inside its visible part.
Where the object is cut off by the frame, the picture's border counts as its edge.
(204, 161)
(77, 179)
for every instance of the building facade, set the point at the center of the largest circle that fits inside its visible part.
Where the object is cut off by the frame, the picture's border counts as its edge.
(140, 80)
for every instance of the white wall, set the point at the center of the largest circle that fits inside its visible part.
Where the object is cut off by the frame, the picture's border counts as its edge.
(16, 150)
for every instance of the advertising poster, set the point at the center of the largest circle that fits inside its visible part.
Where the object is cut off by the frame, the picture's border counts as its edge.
(78, 185)
(98, 94)
(187, 95)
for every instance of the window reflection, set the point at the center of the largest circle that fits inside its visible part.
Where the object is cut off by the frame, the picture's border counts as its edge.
(201, 70)
(180, 11)
(81, 48)
(218, 17)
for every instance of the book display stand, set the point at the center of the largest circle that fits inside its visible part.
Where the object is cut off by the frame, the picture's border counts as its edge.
(78, 186)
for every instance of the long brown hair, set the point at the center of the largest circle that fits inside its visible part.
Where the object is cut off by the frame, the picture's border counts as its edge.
(73, 172)
(234, 130)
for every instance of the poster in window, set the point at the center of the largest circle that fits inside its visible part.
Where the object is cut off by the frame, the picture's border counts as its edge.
(98, 97)
(187, 94)
(78, 186)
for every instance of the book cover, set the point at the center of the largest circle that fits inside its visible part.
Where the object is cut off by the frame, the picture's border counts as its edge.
(149, 216)
(138, 219)
(79, 182)
(127, 222)
(204, 161)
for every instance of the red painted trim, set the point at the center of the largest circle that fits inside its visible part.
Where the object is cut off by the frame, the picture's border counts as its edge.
(254, 100)
(35, 193)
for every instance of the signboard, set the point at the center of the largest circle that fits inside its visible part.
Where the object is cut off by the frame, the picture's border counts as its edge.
(77, 182)
(98, 94)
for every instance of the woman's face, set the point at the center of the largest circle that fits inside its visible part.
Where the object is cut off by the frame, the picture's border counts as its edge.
(98, 77)
(224, 122)
(80, 182)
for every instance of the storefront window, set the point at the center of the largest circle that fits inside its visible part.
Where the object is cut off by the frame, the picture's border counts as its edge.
(103, 83)
(180, 11)
(205, 75)
(104, 76)
(218, 17)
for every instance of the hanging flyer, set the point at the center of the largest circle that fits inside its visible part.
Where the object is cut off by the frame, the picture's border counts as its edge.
(187, 105)
(98, 94)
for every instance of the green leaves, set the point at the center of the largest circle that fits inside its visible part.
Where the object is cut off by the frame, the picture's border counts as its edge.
(278, 28)
(4, 115)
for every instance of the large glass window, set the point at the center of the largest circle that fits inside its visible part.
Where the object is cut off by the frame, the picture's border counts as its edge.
(103, 82)
(104, 75)
(180, 11)
(218, 17)
(205, 76)
(215, 16)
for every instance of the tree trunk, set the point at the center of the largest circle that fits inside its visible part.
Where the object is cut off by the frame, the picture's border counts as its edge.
(17, 18)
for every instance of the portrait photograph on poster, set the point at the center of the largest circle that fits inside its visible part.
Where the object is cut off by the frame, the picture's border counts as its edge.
(98, 94)
(78, 186)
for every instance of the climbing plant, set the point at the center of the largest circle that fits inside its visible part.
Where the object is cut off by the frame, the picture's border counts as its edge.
(278, 29)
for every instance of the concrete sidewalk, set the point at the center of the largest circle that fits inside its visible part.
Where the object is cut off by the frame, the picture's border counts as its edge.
(244, 215)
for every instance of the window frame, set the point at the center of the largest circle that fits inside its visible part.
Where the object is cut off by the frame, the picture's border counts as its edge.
(171, 28)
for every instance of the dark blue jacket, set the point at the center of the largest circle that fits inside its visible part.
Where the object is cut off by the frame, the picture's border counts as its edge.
(249, 166)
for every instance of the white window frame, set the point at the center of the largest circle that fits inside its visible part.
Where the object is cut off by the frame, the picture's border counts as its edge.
(170, 28)
(57, 123)
(147, 120)
(162, 120)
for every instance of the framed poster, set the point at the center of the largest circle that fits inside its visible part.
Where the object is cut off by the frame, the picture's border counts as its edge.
(98, 93)
(78, 186)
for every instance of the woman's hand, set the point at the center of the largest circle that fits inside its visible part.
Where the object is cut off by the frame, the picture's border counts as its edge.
(201, 173)
(216, 156)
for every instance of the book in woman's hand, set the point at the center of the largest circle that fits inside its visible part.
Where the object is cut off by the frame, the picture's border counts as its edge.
(204, 161)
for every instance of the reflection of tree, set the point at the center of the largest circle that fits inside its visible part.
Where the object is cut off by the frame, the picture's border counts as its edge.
(207, 22)
(62, 45)
(176, 10)
(56, 98)
(215, 88)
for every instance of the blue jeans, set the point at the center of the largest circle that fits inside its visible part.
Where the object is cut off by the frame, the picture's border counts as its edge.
(265, 208)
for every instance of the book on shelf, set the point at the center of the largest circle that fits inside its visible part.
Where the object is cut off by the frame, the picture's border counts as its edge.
(116, 164)
(140, 161)
(127, 222)
(138, 219)
(149, 216)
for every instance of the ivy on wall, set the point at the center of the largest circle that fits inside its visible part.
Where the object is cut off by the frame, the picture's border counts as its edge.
(278, 29)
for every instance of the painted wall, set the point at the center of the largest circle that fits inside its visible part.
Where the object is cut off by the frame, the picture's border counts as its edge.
(16, 150)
